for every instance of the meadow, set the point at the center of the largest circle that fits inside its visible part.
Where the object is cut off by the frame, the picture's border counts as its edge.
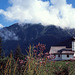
(36, 62)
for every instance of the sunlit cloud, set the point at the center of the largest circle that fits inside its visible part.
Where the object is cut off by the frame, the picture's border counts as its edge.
(56, 12)
(1, 26)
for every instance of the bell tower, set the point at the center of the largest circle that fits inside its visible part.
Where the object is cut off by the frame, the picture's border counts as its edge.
(73, 45)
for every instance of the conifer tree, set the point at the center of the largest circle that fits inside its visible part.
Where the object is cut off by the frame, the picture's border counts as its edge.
(18, 53)
(3, 54)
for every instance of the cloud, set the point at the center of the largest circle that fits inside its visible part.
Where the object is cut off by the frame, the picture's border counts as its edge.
(7, 35)
(1, 26)
(56, 12)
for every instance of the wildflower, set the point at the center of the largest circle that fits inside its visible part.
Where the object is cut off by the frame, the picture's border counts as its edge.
(32, 58)
(47, 70)
(38, 44)
(34, 46)
(67, 63)
(42, 59)
(52, 57)
(39, 54)
(48, 57)
(35, 51)
(21, 61)
(41, 62)
(25, 58)
(46, 53)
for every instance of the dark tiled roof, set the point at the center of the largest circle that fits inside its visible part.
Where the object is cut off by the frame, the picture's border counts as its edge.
(60, 50)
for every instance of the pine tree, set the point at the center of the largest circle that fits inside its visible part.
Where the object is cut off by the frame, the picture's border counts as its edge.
(18, 53)
(3, 54)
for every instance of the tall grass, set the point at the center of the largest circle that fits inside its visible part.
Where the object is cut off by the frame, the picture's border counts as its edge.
(36, 63)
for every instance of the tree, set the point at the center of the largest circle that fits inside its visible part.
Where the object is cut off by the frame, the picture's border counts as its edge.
(3, 54)
(18, 53)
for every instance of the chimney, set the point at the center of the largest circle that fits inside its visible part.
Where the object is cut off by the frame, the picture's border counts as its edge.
(73, 44)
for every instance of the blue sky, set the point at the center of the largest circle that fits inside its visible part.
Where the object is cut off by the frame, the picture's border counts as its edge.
(4, 4)
(68, 1)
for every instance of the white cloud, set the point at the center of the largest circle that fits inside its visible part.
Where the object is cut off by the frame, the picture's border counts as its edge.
(1, 26)
(36, 11)
(8, 35)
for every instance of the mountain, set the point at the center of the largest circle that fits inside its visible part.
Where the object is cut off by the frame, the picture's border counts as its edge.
(25, 34)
